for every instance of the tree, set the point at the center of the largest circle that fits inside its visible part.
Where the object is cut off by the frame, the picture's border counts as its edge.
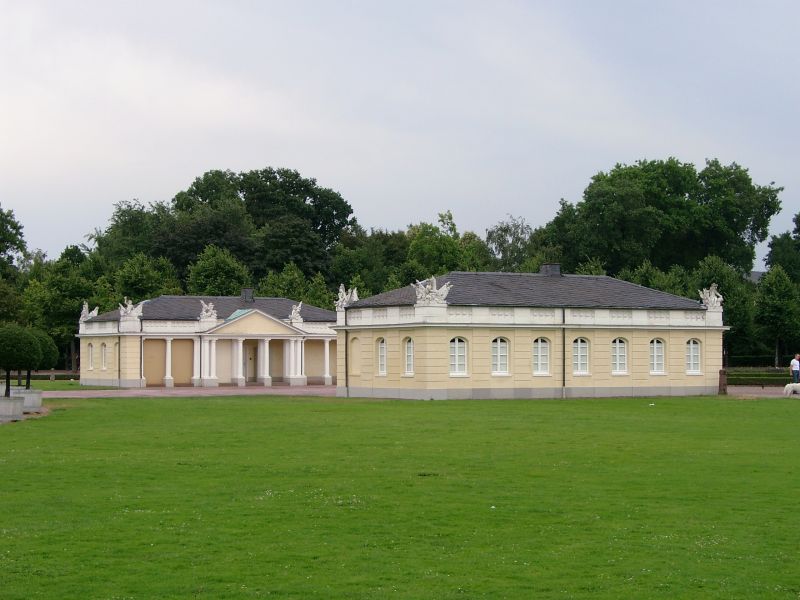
(777, 309)
(667, 212)
(509, 241)
(318, 294)
(48, 354)
(141, 277)
(434, 249)
(12, 244)
(288, 283)
(19, 350)
(784, 250)
(217, 273)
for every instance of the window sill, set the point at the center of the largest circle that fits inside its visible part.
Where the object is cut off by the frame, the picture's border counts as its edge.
(658, 373)
(380, 374)
(581, 374)
(407, 375)
(619, 373)
(541, 375)
(501, 374)
(694, 373)
(459, 374)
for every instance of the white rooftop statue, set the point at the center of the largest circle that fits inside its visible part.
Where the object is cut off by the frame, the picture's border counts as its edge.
(428, 293)
(346, 297)
(710, 297)
(295, 315)
(86, 314)
(129, 310)
(208, 311)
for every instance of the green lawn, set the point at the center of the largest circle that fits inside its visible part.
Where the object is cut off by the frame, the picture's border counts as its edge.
(61, 385)
(326, 498)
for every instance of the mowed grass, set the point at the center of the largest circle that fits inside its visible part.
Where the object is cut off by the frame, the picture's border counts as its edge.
(326, 498)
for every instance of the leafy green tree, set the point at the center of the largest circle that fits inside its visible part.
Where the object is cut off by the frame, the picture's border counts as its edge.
(777, 309)
(9, 300)
(12, 243)
(434, 249)
(217, 273)
(667, 212)
(290, 239)
(288, 283)
(273, 193)
(141, 277)
(318, 294)
(784, 250)
(509, 241)
(593, 266)
(48, 354)
(475, 253)
(358, 283)
(19, 350)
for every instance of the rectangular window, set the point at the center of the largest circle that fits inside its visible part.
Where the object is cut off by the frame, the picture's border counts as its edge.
(693, 356)
(580, 356)
(409, 357)
(458, 356)
(656, 356)
(500, 356)
(619, 356)
(541, 357)
(381, 356)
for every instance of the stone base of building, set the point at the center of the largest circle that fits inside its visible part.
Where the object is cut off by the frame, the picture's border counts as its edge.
(523, 393)
(265, 381)
(120, 383)
(296, 380)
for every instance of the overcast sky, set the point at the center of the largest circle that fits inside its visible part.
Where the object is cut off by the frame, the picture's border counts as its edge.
(405, 108)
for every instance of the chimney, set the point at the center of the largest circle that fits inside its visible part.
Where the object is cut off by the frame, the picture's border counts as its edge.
(551, 269)
(247, 295)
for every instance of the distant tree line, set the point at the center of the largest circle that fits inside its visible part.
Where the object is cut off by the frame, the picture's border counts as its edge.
(661, 223)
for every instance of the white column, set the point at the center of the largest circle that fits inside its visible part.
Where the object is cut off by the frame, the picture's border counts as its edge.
(212, 363)
(204, 354)
(238, 378)
(196, 376)
(263, 363)
(296, 376)
(290, 370)
(327, 379)
(168, 381)
(301, 363)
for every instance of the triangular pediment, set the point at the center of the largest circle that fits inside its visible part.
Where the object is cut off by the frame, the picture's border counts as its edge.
(254, 322)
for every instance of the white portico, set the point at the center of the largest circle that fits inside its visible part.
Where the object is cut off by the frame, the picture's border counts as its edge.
(228, 341)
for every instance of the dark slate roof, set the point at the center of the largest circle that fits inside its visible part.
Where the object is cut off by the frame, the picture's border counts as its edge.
(187, 308)
(536, 289)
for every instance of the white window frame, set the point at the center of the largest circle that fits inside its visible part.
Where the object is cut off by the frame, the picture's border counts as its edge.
(90, 356)
(500, 352)
(541, 356)
(693, 355)
(103, 356)
(381, 342)
(619, 356)
(409, 356)
(658, 353)
(580, 356)
(458, 357)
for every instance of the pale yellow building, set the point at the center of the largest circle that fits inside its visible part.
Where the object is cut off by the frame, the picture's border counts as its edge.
(527, 335)
(208, 341)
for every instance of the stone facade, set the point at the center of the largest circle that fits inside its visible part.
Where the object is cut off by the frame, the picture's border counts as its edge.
(621, 342)
(229, 341)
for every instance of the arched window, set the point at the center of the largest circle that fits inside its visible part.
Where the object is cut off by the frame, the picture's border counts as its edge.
(90, 356)
(103, 356)
(693, 356)
(458, 356)
(381, 356)
(408, 346)
(657, 356)
(619, 356)
(355, 356)
(580, 356)
(500, 356)
(541, 356)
